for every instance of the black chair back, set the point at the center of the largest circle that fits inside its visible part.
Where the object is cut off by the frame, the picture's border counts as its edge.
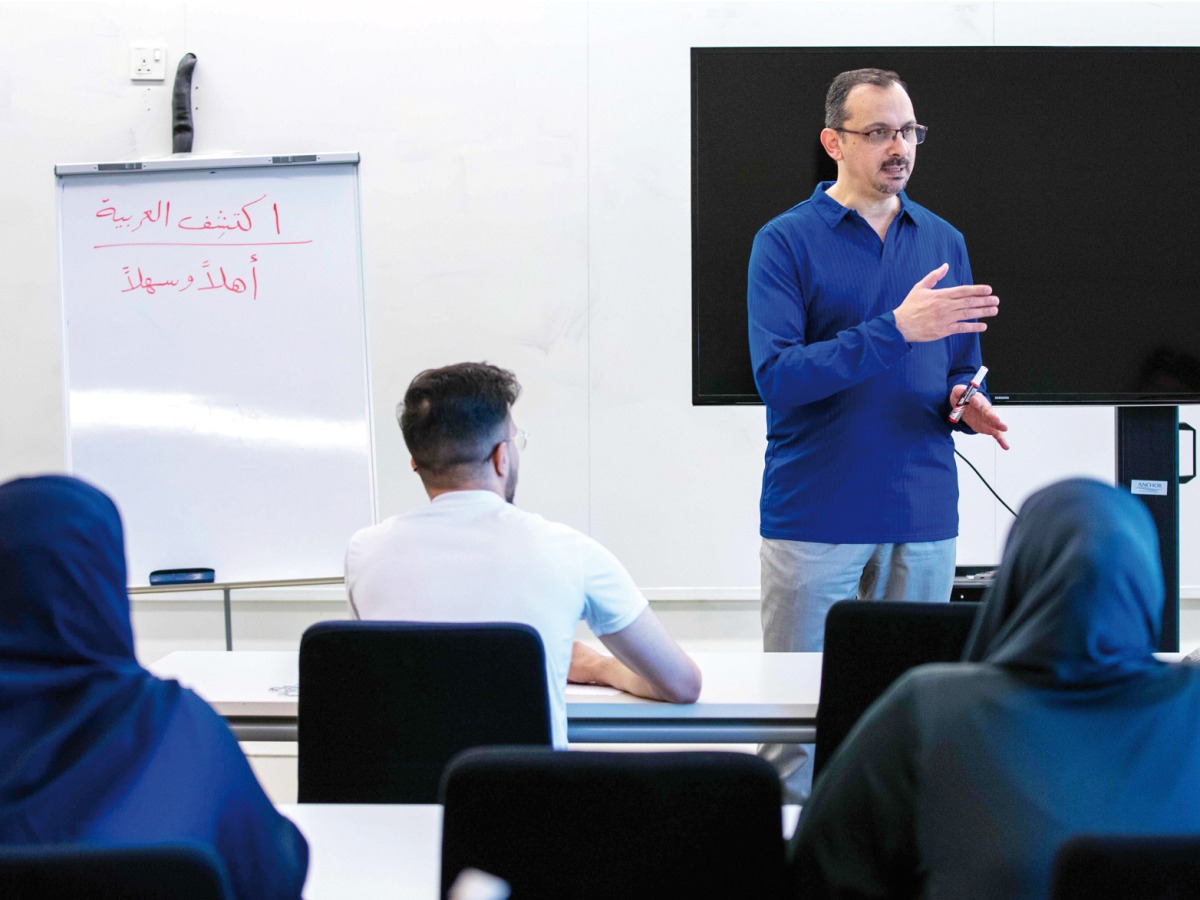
(150, 872)
(384, 706)
(871, 643)
(589, 825)
(1095, 867)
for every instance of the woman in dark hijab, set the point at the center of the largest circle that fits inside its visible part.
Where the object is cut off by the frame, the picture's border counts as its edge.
(93, 748)
(963, 780)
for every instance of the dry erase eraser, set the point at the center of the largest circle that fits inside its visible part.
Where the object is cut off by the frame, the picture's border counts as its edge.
(182, 576)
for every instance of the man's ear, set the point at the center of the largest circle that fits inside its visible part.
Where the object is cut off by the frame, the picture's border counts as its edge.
(412, 462)
(831, 140)
(500, 460)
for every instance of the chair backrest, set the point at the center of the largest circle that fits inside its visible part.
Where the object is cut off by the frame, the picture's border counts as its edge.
(1096, 867)
(593, 824)
(871, 643)
(384, 706)
(150, 872)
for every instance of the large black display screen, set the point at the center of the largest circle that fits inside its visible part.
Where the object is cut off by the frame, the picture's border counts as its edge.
(1073, 173)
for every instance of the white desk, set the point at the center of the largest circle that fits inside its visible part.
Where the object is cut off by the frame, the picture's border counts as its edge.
(383, 851)
(370, 850)
(747, 698)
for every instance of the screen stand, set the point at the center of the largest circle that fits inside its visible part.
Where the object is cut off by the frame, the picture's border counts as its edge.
(1148, 465)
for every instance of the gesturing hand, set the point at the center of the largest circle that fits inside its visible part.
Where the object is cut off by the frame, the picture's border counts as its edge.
(930, 313)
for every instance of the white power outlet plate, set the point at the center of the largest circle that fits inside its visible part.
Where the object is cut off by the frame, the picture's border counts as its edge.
(147, 63)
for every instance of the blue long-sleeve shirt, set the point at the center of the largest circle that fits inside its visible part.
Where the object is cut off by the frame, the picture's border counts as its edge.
(858, 446)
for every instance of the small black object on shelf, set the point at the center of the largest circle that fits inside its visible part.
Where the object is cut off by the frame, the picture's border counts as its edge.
(183, 576)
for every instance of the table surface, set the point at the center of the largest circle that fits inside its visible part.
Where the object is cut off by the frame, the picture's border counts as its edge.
(383, 850)
(366, 851)
(737, 685)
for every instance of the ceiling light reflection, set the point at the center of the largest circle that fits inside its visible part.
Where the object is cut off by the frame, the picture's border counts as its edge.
(161, 413)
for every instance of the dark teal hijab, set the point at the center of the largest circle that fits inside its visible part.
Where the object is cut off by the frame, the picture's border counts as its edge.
(1078, 597)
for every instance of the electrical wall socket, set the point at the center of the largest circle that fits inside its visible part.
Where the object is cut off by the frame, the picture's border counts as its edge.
(147, 63)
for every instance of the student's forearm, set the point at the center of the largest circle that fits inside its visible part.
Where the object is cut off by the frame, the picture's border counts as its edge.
(591, 667)
(647, 650)
(615, 673)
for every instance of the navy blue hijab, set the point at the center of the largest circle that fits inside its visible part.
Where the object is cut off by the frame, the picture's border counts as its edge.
(1078, 597)
(92, 746)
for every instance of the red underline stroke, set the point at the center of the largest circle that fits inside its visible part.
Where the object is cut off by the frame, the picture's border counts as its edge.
(187, 244)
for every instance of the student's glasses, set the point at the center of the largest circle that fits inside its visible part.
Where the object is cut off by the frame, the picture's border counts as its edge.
(519, 439)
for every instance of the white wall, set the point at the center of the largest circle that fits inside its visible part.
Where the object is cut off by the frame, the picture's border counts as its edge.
(526, 190)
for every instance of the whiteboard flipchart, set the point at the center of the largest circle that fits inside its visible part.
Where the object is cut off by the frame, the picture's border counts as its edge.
(216, 364)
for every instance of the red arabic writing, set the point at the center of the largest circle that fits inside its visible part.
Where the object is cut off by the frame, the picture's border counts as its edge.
(208, 280)
(159, 214)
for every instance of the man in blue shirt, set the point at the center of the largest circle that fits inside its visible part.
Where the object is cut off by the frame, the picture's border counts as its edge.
(863, 334)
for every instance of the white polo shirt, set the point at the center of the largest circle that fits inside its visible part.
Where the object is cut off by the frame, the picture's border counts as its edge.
(469, 556)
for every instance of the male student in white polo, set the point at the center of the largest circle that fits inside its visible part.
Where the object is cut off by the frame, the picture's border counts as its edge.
(470, 555)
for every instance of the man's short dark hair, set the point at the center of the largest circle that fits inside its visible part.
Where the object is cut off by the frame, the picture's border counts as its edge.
(454, 416)
(839, 90)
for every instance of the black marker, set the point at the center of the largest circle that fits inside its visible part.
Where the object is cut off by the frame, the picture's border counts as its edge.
(961, 406)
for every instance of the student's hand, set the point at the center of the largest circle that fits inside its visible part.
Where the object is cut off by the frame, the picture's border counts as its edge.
(586, 665)
(980, 415)
(929, 313)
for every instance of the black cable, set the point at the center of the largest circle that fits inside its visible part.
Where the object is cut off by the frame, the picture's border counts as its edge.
(182, 130)
(985, 483)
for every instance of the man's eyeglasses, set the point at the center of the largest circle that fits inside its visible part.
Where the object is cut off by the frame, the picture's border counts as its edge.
(519, 439)
(912, 134)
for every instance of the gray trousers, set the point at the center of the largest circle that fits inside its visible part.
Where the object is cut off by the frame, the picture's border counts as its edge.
(802, 579)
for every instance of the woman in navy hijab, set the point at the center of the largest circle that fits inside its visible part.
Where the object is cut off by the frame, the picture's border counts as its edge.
(93, 748)
(963, 780)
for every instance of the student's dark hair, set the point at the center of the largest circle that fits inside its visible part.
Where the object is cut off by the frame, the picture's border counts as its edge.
(839, 90)
(455, 415)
